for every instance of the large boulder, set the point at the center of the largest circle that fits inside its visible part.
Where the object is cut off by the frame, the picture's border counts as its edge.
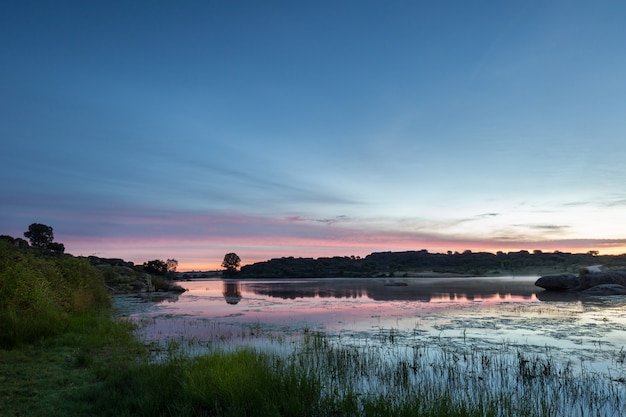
(608, 282)
(561, 282)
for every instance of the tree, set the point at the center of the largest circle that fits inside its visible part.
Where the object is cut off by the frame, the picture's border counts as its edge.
(172, 264)
(157, 267)
(231, 264)
(40, 235)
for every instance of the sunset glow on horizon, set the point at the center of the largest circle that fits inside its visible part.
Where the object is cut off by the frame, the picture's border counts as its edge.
(311, 129)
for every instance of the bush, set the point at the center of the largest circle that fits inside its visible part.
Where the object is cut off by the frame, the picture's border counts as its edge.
(38, 293)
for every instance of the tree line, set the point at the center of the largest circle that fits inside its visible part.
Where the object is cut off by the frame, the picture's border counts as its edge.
(405, 263)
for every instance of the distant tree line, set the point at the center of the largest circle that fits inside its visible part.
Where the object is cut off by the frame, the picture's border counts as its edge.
(404, 263)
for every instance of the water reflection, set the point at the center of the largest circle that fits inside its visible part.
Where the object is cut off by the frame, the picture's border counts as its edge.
(232, 292)
(425, 290)
(481, 312)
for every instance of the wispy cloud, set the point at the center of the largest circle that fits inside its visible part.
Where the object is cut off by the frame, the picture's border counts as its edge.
(488, 215)
(548, 227)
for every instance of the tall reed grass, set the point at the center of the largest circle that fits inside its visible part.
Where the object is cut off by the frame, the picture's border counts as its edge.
(325, 376)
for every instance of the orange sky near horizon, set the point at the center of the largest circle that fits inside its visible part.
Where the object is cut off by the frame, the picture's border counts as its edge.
(209, 256)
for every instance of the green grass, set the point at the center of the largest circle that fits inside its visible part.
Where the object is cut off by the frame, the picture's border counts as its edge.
(56, 375)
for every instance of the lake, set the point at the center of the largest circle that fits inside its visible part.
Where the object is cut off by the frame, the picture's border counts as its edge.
(485, 313)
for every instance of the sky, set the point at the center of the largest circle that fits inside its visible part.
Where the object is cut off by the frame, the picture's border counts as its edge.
(159, 129)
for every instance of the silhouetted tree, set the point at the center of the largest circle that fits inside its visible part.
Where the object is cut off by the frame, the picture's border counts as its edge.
(40, 235)
(231, 264)
(155, 267)
(172, 264)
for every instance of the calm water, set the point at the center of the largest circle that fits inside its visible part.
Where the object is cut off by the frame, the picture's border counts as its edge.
(486, 313)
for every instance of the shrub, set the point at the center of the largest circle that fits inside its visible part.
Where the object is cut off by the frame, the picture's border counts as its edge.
(38, 293)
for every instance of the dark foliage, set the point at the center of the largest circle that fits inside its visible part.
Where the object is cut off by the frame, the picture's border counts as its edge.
(156, 266)
(41, 237)
(400, 263)
(231, 264)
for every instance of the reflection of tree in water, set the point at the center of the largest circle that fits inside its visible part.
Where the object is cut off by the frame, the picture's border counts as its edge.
(232, 292)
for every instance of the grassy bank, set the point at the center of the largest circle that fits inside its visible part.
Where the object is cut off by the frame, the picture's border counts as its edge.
(56, 334)
(63, 354)
(40, 292)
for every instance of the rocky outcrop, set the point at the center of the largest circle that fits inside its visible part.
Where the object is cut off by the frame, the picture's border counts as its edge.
(595, 283)
(123, 279)
(173, 288)
(561, 282)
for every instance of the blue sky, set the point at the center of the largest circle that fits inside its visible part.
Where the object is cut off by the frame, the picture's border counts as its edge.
(154, 130)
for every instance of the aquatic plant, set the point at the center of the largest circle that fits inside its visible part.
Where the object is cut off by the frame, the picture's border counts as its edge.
(330, 375)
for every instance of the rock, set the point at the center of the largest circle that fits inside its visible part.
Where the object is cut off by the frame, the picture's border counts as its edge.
(175, 288)
(561, 282)
(605, 289)
(608, 282)
(600, 278)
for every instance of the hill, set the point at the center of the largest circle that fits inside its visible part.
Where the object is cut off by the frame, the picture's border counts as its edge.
(419, 263)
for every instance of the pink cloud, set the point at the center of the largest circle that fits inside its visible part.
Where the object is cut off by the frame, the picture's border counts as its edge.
(200, 241)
